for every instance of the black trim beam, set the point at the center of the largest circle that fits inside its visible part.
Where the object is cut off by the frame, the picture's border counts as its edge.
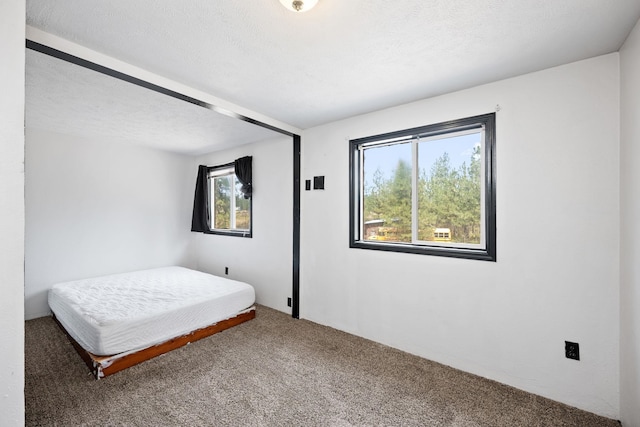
(295, 307)
(47, 50)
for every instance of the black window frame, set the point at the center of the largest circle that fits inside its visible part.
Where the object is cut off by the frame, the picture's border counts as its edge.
(219, 231)
(488, 253)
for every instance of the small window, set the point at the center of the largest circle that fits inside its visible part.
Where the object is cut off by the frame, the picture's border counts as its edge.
(229, 211)
(428, 190)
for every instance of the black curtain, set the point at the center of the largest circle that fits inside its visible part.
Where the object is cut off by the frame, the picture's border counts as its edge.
(243, 173)
(200, 218)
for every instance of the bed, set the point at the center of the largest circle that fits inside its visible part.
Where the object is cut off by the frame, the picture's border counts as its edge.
(120, 320)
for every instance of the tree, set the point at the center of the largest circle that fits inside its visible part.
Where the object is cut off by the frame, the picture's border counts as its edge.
(390, 201)
(447, 198)
(450, 198)
(222, 207)
(373, 197)
(242, 214)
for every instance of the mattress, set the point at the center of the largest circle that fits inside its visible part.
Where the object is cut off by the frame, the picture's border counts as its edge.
(128, 312)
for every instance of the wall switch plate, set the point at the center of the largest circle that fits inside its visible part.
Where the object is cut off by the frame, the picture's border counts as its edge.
(572, 350)
(307, 185)
(318, 182)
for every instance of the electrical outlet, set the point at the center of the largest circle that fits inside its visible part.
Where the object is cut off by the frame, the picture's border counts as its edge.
(288, 302)
(307, 185)
(572, 350)
(226, 270)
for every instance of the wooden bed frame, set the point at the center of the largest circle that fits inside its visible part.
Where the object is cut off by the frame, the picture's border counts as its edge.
(103, 366)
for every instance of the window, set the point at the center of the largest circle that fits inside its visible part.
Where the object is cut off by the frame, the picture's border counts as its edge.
(229, 211)
(428, 190)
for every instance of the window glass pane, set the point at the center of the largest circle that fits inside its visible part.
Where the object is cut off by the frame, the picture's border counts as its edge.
(229, 211)
(387, 193)
(449, 189)
(243, 212)
(221, 190)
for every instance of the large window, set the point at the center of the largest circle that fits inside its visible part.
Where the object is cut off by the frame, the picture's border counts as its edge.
(229, 211)
(427, 190)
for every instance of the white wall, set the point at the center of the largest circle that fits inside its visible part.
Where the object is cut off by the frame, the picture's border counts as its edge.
(96, 207)
(12, 13)
(630, 230)
(265, 260)
(557, 272)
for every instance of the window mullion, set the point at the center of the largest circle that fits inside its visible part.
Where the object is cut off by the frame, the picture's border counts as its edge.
(360, 231)
(232, 203)
(483, 181)
(414, 189)
(212, 203)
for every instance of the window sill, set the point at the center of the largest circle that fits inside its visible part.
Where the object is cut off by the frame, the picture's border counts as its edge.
(244, 233)
(477, 254)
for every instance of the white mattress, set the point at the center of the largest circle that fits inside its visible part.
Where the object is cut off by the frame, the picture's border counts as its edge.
(127, 312)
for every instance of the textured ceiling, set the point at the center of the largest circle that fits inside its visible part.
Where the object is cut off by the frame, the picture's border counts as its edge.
(66, 98)
(345, 57)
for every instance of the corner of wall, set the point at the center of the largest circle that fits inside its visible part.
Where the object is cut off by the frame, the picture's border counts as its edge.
(12, 104)
(629, 229)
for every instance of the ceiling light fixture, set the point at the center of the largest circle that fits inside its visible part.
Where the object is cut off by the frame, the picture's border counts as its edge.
(299, 5)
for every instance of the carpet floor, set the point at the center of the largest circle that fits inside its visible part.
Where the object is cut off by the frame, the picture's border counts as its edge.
(274, 371)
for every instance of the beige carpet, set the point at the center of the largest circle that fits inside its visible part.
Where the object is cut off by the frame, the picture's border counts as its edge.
(274, 371)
